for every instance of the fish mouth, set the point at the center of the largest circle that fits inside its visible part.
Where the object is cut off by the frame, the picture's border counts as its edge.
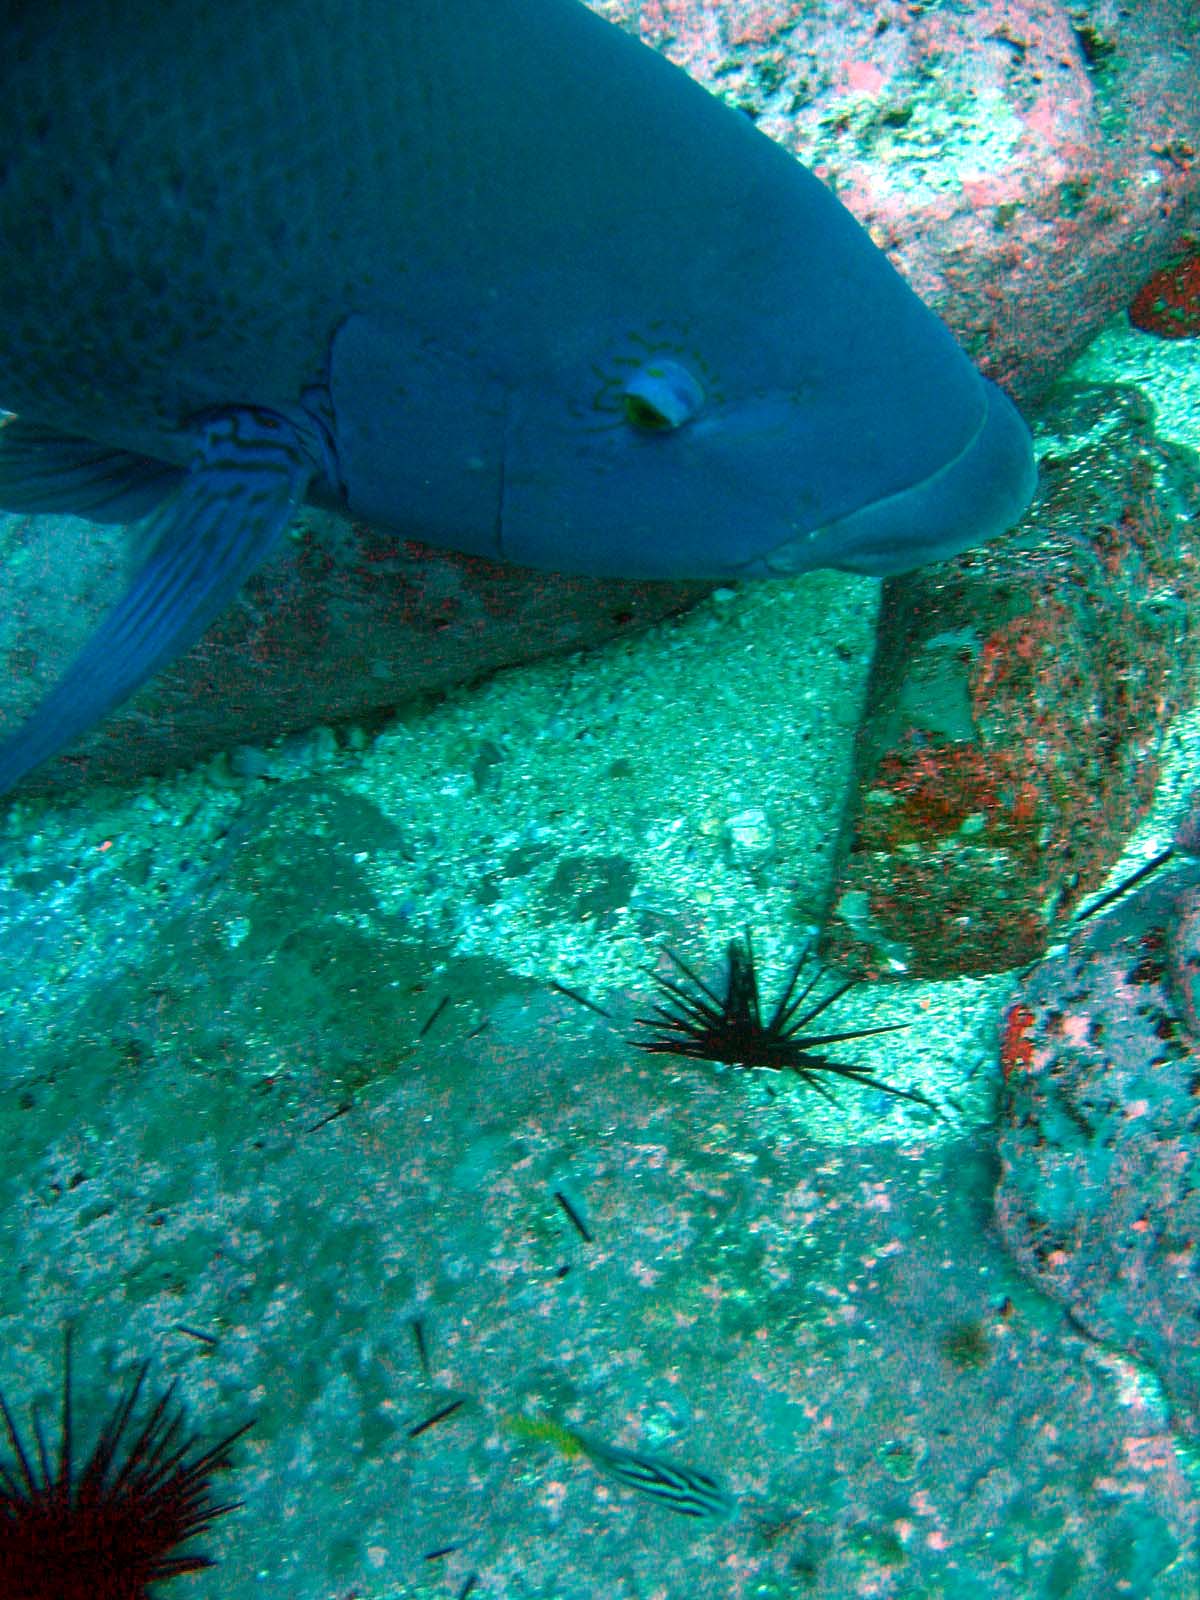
(975, 496)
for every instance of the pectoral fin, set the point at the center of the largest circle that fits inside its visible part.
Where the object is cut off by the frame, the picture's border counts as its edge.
(42, 470)
(247, 477)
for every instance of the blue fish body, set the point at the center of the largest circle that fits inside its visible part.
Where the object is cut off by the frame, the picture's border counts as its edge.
(487, 272)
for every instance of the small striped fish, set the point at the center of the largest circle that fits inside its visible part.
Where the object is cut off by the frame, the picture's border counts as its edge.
(687, 1491)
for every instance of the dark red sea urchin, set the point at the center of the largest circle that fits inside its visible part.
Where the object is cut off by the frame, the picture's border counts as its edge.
(110, 1528)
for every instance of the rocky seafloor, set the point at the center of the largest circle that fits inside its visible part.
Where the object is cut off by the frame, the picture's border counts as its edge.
(295, 1102)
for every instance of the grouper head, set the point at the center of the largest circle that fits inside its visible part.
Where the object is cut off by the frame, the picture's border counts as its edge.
(488, 273)
(676, 356)
(707, 437)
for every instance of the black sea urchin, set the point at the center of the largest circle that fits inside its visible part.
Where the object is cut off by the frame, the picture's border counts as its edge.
(706, 1026)
(109, 1528)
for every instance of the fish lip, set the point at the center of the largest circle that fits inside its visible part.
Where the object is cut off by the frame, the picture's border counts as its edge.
(976, 495)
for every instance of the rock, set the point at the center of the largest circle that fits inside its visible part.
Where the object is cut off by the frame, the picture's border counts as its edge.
(343, 622)
(1017, 704)
(1097, 1199)
(334, 1129)
(1026, 165)
(1168, 303)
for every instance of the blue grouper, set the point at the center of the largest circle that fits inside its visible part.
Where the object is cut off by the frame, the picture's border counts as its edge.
(486, 272)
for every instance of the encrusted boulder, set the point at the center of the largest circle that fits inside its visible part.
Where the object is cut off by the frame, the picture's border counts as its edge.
(1017, 705)
(1097, 1199)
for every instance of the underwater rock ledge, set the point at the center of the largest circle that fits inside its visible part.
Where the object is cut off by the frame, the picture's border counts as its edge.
(342, 623)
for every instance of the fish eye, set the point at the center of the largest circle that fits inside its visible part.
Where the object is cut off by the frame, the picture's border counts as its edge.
(661, 395)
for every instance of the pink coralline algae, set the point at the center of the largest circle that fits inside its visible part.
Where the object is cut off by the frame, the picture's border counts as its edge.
(1168, 303)
(1016, 708)
(1097, 1199)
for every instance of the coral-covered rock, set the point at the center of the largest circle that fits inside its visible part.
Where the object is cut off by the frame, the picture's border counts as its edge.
(1168, 303)
(1026, 163)
(342, 622)
(1016, 707)
(1097, 1198)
